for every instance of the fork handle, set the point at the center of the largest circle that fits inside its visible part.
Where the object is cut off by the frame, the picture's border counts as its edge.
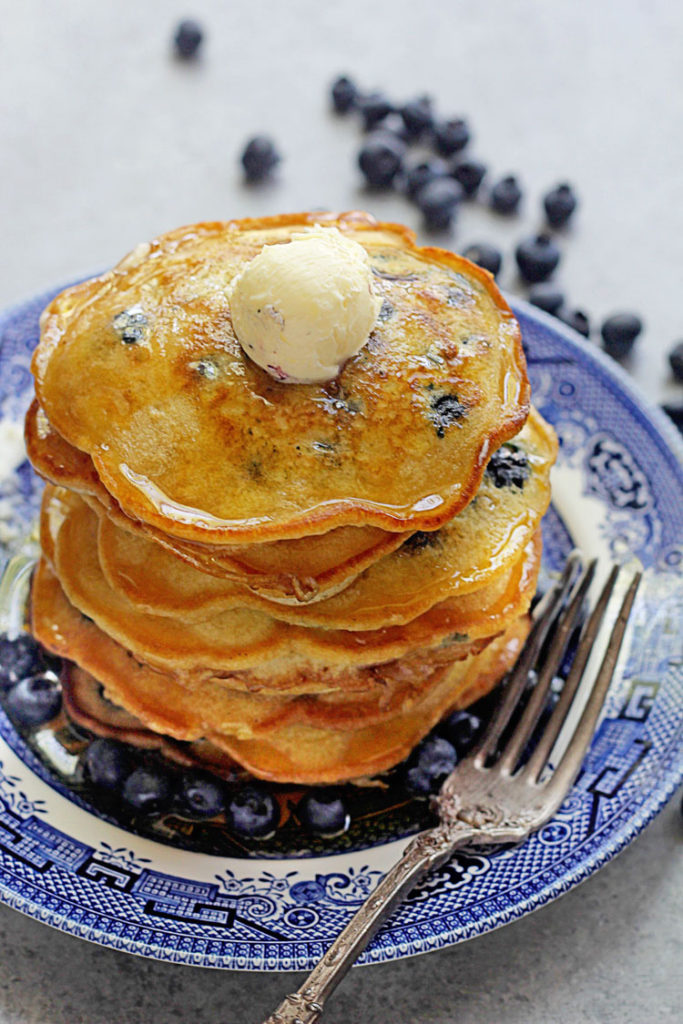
(426, 852)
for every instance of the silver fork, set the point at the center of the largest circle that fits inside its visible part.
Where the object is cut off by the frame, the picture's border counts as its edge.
(489, 797)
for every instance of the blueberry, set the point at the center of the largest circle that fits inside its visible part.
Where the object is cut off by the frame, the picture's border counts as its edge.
(559, 205)
(619, 333)
(546, 297)
(148, 789)
(417, 116)
(676, 360)
(674, 410)
(508, 467)
(259, 158)
(434, 759)
(323, 811)
(130, 325)
(451, 136)
(20, 657)
(393, 124)
(438, 201)
(422, 173)
(200, 796)
(344, 94)
(506, 195)
(374, 108)
(35, 699)
(461, 728)
(486, 256)
(253, 812)
(537, 257)
(188, 38)
(380, 158)
(108, 763)
(577, 319)
(470, 174)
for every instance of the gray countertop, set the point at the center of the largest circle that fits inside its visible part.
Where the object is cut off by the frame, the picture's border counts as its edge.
(106, 140)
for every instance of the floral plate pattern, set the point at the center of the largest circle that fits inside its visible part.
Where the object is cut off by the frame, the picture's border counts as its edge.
(618, 493)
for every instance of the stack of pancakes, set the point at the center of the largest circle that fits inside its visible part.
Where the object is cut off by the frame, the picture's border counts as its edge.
(302, 578)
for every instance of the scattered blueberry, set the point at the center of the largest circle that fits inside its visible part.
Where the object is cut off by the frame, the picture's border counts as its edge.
(200, 795)
(374, 108)
(537, 257)
(253, 812)
(108, 763)
(559, 204)
(506, 195)
(674, 410)
(259, 158)
(470, 174)
(508, 467)
(676, 360)
(323, 811)
(446, 409)
(577, 319)
(393, 124)
(20, 657)
(486, 256)
(148, 788)
(380, 158)
(35, 699)
(420, 174)
(429, 765)
(417, 116)
(461, 728)
(438, 201)
(451, 136)
(130, 325)
(619, 333)
(188, 38)
(344, 94)
(546, 297)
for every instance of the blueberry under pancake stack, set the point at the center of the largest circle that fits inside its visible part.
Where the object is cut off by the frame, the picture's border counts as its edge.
(264, 543)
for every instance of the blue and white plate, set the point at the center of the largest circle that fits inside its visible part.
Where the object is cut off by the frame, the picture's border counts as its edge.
(618, 493)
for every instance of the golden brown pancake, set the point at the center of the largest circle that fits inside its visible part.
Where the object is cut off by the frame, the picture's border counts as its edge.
(467, 552)
(190, 436)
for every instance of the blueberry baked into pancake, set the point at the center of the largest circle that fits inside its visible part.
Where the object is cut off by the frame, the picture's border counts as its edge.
(295, 487)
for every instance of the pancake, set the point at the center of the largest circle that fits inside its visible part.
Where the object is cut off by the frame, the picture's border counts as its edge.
(244, 638)
(307, 739)
(466, 553)
(288, 571)
(190, 436)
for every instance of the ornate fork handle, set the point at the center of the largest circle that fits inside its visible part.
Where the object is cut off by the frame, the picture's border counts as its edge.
(426, 852)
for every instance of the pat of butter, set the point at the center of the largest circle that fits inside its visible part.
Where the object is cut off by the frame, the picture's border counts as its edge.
(301, 308)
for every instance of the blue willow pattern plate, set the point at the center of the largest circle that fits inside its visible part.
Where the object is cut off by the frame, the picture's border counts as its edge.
(618, 493)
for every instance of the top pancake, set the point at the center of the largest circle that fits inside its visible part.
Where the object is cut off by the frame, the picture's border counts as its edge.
(192, 437)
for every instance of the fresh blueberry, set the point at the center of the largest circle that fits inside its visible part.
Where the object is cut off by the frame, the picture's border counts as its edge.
(577, 319)
(323, 811)
(344, 94)
(537, 257)
(619, 333)
(393, 124)
(559, 205)
(461, 728)
(546, 297)
(108, 763)
(253, 812)
(20, 657)
(508, 467)
(451, 136)
(374, 108)
(438, 201)
(676, 360)
(35, 699)
(380, 158)
(200, 796)
(259, 158)
(470, 174)
(506, 195)
(188, 38)
(434, 759)
(486, 256)
(417, 116)
(420, 174)
(149, 789)
(674, 410)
